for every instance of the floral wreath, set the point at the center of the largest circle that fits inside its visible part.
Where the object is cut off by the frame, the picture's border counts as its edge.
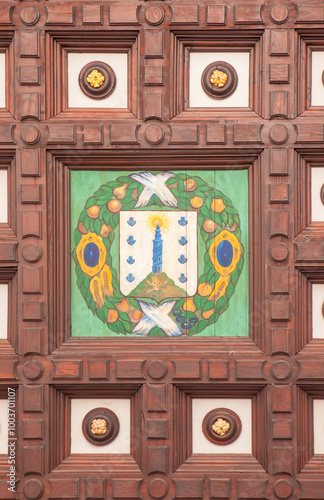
(97, 279)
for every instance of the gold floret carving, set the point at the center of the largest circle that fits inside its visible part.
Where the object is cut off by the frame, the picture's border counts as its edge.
(221, 427)
(218, 78)
(95, 79)
(98, 426)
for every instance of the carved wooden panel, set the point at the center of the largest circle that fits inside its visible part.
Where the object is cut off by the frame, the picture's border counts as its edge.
(277, 138)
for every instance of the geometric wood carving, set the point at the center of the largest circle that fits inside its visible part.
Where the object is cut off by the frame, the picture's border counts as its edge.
(248, 14)
(153, 44)
(216, 14)
(32, 279)
(92, 14)
(29, 44)
(33, 398)
(279, 222)
(281, 399)
(187, 369)
(184, 14)
(31, 224)
(157, 398)
(279, 43)
(67, 370)
(65, 16)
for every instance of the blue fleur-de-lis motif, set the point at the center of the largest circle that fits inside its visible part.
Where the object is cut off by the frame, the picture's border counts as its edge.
(130, 260)
(130, 277)
(183, 241)
(182, 221)
(131, 240)
(182, 278)
(131, 221)
(182, 259)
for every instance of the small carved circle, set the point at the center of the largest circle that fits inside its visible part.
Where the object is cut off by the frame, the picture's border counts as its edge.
(100, 426)
(33, 370)
(33, 489)
(154, 15)
(278, 134)
(97, 80)
(154, 134)
(157, 369)
(32, 252)
(222, 426)
(279, 13)
(219, 80)
(322, 194)
(29, 15)
(30, 134)
(281, 370)
(283, 488)
(279, 252)
(158, 488)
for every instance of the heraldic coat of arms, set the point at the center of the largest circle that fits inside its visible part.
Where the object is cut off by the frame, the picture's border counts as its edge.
(169, 225)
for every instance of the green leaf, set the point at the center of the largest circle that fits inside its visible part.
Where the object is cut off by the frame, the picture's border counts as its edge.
(234, 276)
(77, 236)
(117, 293)
(220, 304)
(86, 223)
(102, 212)
(86, 281)
(181, 186)
(230, 220)
(114, 327)
(224, 217)
(201, 220)
(101, 315)
(156, 331)
(213, 318)
(204, 210)
(214, 278)
(106, 218)
(133, 185)
(91, 201)
(124, 179)
(92, 306)
(209, 305)
(179, 303)
(237, 233)
(97, 226)
(201, 325)
(88, 297)
(189, 314)
(200, 182)
(240, 264)
(78, 270)
(83, 214)
(227, 201)
(237, 219)
(80, 281)
(193, 330)
(130, 205)
(133, 303)
(175, 192)
(197, 301)
(83, 291)
(210, 274)
(216, 218)
(202, 279)
(124, 316)
(91, 225)
(199, 193)
(232, 211)
(208, 202)
(204, 236)
(229, 291)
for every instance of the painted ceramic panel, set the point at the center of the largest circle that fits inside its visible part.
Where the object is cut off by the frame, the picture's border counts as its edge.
(159, 253)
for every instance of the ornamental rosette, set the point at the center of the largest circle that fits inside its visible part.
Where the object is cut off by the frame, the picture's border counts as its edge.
(99, 426)
(218, 78)
(95, 78)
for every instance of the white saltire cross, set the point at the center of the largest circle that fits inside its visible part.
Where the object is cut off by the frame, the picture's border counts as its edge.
(157, 316)
(155, 184)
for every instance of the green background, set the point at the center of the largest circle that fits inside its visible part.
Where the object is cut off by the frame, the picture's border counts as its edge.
(233, 184)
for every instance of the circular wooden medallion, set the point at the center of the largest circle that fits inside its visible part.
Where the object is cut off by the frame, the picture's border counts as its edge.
(283, 488)
(32, 252)
(30, 134)
(222, 426)
(100, 426)
(29, 15)
(224, 76)
(281, 370)
(278, 134)
(279, 13)
(157, 369)
(158, 488)
(33, 489)
(97, 80)
(33, 370)
(154, 134)
(154, 15)
(279, 252)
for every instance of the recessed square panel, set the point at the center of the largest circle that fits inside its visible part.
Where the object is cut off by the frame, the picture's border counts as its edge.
(3, 195)
(317, 193)
(318, 311)
(2, 82)
(318, 409)
(242, 408)
(80, 408)
(317, 98)
(118, 96)
(199, 61)
(3, 310)
(3, 426)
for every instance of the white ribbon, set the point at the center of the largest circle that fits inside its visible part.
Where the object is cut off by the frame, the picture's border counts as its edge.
(157, 316)
(155, 184)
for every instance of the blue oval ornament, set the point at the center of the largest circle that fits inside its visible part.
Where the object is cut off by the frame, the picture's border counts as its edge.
(225, 253)
(91, 254)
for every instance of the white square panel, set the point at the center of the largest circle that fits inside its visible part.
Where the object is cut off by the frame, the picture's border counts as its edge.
(317, 98)
(77, 99)
(200, 60)
(3, 195)
(318, 409)
(79, 409)
(3, 427)
(3, 310)
(200, 408)
(317, 315)
(317, 183)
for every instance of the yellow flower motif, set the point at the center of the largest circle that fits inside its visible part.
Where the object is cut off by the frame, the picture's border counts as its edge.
(95, 79)
(98, 426)
(221, 427)
(218, 78)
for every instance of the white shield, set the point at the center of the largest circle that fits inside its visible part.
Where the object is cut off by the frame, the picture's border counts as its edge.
(178, 252)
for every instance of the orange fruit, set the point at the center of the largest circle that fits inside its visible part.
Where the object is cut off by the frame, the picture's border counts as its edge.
(93, 212)
(207, 314)
(204, 289)
(114, 206)
(209, 226)
(189, 305)
(190, 185)
(217, 205)
(81, 228)
(112, 316)
(105, 230)
(196, 202)
(123, 306)
(136, 315)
